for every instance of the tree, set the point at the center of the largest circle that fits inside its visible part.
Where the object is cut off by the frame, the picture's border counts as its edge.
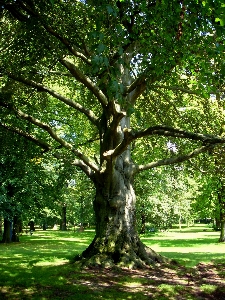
(25, 183)
(109, 79)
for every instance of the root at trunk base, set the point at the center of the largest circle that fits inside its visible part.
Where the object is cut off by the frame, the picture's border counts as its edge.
(142, 257)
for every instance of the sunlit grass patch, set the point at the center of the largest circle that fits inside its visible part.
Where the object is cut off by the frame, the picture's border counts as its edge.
(39, 268)
(187, 247)
(208, 288)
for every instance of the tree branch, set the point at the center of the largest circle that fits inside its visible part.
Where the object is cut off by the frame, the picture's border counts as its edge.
(40, 87)
(86, 81)
(130, 136)
(178, 133)
(28, 136)
(53, 134)
(87, 170)
(173, 160)
(30, 9)
(185, 90)
(68, 45)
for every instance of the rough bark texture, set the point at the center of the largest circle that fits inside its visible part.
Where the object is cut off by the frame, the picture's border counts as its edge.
(116, 240)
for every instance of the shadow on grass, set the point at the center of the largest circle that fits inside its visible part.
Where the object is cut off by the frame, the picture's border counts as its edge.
(39, 268)
(161, 282)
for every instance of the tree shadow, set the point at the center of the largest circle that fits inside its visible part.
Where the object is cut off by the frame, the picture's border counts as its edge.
(67, 281)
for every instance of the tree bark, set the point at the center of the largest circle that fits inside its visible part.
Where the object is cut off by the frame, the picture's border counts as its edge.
(222, 220)
(16, 229)
(63, 218)
(116, 240)
(221, 201)
(7, 235)
(222, 232)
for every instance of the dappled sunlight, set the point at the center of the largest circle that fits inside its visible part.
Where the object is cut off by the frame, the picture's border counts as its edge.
(39, 268)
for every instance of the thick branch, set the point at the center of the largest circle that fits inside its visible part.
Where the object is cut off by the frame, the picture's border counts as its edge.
(173, 160)
(130, 136)
(87, 170)
(40, 87)
(178, 133)
(86, 81)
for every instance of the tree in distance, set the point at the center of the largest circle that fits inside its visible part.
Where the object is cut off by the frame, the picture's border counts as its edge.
(104, 86)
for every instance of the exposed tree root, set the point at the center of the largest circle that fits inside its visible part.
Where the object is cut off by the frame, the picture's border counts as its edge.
(141, 258)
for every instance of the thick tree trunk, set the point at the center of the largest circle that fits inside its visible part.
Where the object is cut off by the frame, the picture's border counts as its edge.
(7, 235)
(116, 240)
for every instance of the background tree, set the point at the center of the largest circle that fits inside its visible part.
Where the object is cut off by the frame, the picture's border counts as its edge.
(109, 78)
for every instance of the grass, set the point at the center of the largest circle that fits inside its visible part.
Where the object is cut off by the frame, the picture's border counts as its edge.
(38, 268)
(189, 247)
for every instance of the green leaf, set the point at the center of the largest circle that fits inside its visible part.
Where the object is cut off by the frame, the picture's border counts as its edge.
(101, 48)
(130, 111)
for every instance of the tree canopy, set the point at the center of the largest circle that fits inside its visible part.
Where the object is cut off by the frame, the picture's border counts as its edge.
(105, 86)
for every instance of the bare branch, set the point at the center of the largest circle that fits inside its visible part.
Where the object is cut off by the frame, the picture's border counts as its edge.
(178, 133)
(173, 160)
(40, 87)
(86, 81)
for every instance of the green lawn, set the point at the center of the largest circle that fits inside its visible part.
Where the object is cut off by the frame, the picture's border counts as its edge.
(190, 246)
(39, 268)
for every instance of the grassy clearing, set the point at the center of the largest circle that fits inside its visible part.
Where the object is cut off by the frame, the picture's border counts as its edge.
(38, 268)
(189, 247)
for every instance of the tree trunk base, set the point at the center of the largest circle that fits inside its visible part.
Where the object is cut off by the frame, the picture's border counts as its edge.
(136, 257)
(221, 240)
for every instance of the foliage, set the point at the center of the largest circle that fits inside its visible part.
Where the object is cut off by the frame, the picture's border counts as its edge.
(112, 83)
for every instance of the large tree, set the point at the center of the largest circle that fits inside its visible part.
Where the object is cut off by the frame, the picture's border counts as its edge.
(104, 79)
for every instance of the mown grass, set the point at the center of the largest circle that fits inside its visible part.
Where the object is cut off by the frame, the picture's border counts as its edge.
(189, 246)
(39, 267)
